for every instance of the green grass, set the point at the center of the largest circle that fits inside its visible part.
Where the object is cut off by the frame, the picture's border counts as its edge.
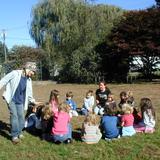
(138, 147)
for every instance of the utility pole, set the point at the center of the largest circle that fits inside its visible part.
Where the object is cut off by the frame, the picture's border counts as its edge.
(4, 45)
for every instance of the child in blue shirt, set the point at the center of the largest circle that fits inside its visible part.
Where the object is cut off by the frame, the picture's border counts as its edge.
(109, 122)
(72, 104)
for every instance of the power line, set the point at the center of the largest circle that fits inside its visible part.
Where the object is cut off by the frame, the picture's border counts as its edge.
(16, 28)
(18, 38)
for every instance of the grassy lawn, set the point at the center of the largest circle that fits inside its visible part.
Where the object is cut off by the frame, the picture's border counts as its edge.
(138, 147)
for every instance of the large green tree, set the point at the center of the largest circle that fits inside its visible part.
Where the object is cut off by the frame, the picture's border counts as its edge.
(68, 30)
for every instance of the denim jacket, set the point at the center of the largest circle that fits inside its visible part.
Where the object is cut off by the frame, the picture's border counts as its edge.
(11, 81)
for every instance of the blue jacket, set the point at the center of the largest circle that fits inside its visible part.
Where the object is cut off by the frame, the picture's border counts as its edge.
(11, 81)
(72, 104)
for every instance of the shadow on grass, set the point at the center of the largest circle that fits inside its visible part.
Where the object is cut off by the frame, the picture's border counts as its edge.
(5, 129)
(76, 134)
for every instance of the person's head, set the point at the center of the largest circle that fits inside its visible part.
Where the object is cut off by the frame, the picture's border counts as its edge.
(46, 112)
(30, 69)
(91, 119)
(69, 95)
(123, 96)
(102, 85)
(54, 95)
(64, 107)
(110, 97)
(127, 109)
(130, 93)
(89, 93)
(146, 105)
(110, 109)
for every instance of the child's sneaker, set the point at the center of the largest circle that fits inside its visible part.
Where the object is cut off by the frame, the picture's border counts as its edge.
(68, 141)
(108, 139)
(15, 140)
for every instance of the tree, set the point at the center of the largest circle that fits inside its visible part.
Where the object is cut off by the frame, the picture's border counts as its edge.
(69, 29)
(137, 35)
(19, 55)
(158, 3)
(2, 55)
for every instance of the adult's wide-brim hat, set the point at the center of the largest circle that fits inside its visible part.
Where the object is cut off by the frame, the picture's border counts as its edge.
(31, 66)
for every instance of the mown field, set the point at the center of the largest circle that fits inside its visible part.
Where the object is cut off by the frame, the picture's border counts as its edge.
(138, 147)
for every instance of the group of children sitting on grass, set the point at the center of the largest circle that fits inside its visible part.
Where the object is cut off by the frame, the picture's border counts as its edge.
(54, 118)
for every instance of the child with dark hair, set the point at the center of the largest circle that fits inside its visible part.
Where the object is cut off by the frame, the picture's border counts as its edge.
(123, 99)
(110, 122)
(148, 117)
(33, 117)
(101, 97)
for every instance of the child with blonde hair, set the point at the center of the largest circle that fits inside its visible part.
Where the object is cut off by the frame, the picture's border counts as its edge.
(148, 117)
(61, 129)
(88, 103)
(46, 121)
(90, 129)
(127, 120)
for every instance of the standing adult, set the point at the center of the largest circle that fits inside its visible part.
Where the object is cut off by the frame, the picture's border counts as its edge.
(101, 97)
(17, 94)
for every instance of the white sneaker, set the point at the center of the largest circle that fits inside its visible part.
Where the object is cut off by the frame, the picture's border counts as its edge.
(21, 136)
(15, 140)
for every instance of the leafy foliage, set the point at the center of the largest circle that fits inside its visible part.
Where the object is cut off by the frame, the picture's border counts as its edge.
(68, 31)
(138, 35)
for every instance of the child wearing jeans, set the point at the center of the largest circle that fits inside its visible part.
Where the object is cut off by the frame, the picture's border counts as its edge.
(88, 103)
(90, 129)
(61, 129)
(148, 117)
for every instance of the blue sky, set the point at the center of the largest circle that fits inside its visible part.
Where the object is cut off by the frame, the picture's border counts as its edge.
(15, 18)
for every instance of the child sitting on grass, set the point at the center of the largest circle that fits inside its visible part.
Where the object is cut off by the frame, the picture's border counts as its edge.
(33, 117)
(90, 129)
(148, 117)
(61, 129)
(88, 103)
(72, 104)
(110, 122)
(127, 120)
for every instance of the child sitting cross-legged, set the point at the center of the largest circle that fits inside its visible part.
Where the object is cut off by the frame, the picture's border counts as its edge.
(88, 103)
(147, 125)
(72, 103)
(90, 129)
(110, 122)
(33, 117)
(127, 120)
(61, 129)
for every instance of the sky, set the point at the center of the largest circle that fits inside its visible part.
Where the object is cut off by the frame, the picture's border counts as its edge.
(15, 18)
